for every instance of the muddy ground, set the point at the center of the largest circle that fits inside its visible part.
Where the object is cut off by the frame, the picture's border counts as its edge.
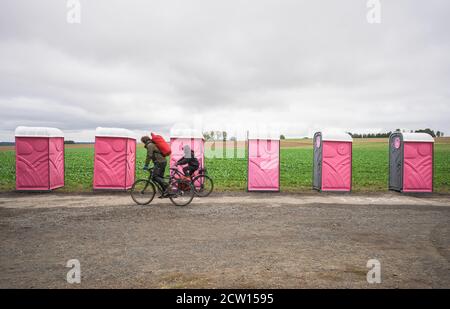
(227, 240)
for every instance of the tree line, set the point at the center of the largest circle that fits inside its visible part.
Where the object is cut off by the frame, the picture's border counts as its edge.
(223, 136)
(387, 134)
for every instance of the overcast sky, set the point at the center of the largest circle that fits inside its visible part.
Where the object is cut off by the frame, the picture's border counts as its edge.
(147, 65)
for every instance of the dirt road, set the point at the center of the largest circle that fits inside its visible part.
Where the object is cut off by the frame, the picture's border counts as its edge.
(231, 241)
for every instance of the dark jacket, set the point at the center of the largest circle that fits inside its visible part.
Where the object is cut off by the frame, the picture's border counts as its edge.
(190, 160)
(153, 154)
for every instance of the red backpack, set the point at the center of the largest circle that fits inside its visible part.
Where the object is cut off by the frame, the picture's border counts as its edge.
(162, 145)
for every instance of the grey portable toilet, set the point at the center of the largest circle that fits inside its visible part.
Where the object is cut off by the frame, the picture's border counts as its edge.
(411, 162)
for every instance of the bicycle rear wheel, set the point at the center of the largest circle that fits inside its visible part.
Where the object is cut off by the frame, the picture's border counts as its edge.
(203, 185)
(143, 192)
(181, 192)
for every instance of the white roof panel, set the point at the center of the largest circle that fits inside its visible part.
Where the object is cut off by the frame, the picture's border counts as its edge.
(38, 132)
(267, 135)
(114, 132)
(186, 133)
(417, 137)
(336, 136)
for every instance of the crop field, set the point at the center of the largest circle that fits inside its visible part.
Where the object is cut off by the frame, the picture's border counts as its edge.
(370, 167)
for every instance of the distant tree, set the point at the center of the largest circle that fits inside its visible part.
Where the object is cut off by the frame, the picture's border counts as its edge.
(224, 136)
(69, 142)
(233, 138)
(7, 143)
(218, 135)
(370, 135)
(209, 136)
(282, 136)
(427, 130)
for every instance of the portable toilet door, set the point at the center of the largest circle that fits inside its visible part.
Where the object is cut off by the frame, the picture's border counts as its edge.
(396, 162)
(263, 165)
(193, 138)
(411, 162)
(39, 158)
(114, 159)
(317, 163)
(332, 161)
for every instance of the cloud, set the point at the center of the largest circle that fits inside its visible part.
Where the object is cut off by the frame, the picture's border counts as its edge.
(151, 64)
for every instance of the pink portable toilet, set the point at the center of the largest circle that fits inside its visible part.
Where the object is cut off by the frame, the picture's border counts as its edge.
(115, 159)
(39, 158)
(411, 162)
(263, 172)
(332, 162)
(193, 138)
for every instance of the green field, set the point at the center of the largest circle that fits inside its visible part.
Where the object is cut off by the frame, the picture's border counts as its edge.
(370, 168)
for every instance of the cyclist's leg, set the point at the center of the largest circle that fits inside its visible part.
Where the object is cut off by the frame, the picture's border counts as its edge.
(186, 171)
(158, 174)
(189, 170)
(193, 169)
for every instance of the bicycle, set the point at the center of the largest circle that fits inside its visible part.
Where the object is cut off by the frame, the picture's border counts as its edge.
(180, 191)
(202, 183)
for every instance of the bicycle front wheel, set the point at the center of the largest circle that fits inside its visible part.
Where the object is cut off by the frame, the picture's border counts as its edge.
(181, 192)
(143, 192)
(203, 185)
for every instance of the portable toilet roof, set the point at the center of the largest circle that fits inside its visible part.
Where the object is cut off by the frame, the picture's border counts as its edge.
(417, 137)
(186, 133)
(23, 131)
(267, 135)
(335, 136)
(114, 132)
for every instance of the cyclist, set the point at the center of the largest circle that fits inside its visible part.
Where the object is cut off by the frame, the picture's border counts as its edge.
(159, 163)
(189, 159)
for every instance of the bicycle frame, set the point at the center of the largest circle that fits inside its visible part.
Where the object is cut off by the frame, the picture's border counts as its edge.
(169, 179)
(175, 173)
(198, 172)
(158, 186)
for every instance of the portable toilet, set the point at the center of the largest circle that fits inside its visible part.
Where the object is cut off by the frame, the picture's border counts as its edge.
(411, 162)
(263, 173)
(114, 159)
(332, 161)
(181, 137)
(39, 158)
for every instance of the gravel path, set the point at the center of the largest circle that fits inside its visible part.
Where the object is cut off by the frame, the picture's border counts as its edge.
(226, 240)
